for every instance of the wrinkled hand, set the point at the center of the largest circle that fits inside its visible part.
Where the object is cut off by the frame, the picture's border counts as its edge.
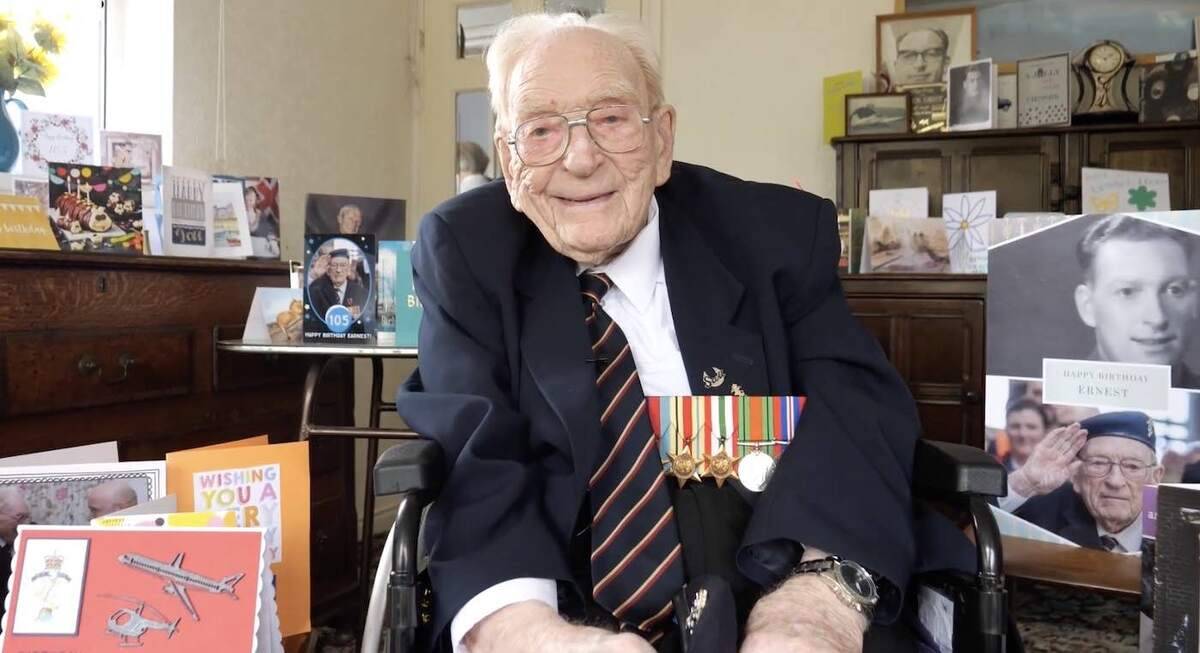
(803, 615)
(1052, 462)
(532, 626)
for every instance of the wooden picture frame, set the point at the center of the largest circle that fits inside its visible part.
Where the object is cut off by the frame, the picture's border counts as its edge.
(948, 24)
(877, 122)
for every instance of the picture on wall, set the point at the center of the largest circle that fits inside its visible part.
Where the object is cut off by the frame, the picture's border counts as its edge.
(918, 48)
(877, 113)
(972, 96)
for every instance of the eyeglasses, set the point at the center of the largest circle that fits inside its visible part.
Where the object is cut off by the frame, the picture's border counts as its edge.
(932, 54)
(615, 129)
(1134, 470)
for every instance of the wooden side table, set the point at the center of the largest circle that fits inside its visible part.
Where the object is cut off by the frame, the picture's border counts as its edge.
(319, 356)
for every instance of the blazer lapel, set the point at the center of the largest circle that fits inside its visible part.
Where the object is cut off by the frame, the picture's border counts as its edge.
(556, 347)
(705, 300)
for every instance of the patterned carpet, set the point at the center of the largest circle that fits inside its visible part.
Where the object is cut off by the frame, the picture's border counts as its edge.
(1056, 619)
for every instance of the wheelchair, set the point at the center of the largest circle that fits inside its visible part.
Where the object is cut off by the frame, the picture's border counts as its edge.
(961, 481)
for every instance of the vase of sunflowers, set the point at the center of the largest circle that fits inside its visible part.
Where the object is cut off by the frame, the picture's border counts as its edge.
(26, 66)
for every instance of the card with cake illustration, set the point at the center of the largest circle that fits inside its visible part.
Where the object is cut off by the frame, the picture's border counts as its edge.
(96, 208)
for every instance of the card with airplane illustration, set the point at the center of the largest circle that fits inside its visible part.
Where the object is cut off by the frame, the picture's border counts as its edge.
(158, 589)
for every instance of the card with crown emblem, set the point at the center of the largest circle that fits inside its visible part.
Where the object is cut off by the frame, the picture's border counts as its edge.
(725, 438)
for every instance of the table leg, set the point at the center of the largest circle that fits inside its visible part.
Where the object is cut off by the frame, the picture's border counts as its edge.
(315, 367)
(368, 525)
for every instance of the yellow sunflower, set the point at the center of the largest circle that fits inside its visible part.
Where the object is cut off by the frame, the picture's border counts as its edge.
(6, 21)
(48, 37)
(46, 71)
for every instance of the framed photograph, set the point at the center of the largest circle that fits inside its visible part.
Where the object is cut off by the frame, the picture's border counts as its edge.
(73, 495)
(131, 150)
(1044, 91)
(971, 95)
(928, 108)
(878, 113)
(1170, 88)
(918, 48)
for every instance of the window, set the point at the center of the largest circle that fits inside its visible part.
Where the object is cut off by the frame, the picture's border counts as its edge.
(115, 67)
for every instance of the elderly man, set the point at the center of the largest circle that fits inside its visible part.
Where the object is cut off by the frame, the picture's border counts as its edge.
(1138, 294)
(109, 497)
(602, 272)
(336, 288)
(1101, 507)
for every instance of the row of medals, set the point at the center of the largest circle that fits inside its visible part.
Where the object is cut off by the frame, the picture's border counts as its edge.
(752, 470)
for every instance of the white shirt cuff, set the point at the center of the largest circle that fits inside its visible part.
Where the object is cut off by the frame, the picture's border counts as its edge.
(1012, 501)
(499, 596)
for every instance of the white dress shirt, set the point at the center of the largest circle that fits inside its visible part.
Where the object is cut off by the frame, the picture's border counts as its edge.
(639, 304)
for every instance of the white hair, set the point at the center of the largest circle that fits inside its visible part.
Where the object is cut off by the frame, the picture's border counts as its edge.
(520, 33)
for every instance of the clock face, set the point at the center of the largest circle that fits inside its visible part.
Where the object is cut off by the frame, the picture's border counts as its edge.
(1104, 58)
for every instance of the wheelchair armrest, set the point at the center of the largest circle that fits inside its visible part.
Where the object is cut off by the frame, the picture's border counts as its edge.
(411, 466)
(941, 469)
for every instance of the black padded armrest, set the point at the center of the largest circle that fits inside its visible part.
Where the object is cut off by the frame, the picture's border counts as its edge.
(411, 466)
(942, 468)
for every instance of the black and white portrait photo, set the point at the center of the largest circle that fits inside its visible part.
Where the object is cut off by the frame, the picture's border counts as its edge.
(918, 48)
(1111, 287)
(971, 96)
(344, 214)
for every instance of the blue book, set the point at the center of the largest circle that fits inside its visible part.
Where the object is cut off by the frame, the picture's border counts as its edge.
(407, 306)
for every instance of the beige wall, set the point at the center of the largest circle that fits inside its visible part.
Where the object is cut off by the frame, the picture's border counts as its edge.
(746, 80)
(318, 94)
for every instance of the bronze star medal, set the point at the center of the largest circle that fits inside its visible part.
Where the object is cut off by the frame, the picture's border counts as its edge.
(684, 467)
(721, 467)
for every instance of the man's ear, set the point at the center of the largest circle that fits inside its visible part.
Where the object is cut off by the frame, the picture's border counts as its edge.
(505, 154)
(1157, 475)
(664, 128)
(1083, 304)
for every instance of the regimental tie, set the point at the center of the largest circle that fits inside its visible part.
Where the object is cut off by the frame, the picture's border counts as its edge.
(636, 557)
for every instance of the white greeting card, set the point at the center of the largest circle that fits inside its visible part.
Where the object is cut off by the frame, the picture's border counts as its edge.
(968, 217)
(899, 203)
(54, 137)
(1123, 191)
(1044, 91)
(187, 210)
(231, 226)
(132, 150)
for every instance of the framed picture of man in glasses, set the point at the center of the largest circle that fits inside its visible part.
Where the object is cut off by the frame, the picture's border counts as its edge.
(918, 48)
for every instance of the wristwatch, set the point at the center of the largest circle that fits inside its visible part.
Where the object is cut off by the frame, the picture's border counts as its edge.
(852, 584)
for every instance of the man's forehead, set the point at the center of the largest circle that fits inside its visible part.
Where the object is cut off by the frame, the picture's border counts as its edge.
(1115, 446)
(575, 69)
(921, 37)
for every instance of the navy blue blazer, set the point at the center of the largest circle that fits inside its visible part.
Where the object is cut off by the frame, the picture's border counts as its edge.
(509, 393)
(1064, 513)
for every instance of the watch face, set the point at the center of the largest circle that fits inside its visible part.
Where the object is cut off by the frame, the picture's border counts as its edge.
(1105, 58)
(857, 580)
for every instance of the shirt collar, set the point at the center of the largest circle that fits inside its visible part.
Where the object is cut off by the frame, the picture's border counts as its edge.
(637, 270)
(1130, 537)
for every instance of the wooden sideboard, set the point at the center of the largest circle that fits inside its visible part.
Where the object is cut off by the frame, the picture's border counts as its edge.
(931, 326)
(96, 348)
(1034, 170)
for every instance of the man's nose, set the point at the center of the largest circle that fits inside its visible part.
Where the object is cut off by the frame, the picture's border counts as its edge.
(1153, 311)
(582, 155)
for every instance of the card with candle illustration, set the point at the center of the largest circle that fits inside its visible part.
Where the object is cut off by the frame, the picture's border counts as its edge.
(96, 208)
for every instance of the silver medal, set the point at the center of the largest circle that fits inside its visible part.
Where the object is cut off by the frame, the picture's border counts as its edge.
(755, 469)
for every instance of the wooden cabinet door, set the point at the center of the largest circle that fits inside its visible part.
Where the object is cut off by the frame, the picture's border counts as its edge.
(1173, 151)
(937, 347)
(905, 164)
(1025, 171)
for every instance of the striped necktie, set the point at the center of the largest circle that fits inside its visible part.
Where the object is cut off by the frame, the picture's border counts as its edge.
(636, 556)
(1111, 543)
